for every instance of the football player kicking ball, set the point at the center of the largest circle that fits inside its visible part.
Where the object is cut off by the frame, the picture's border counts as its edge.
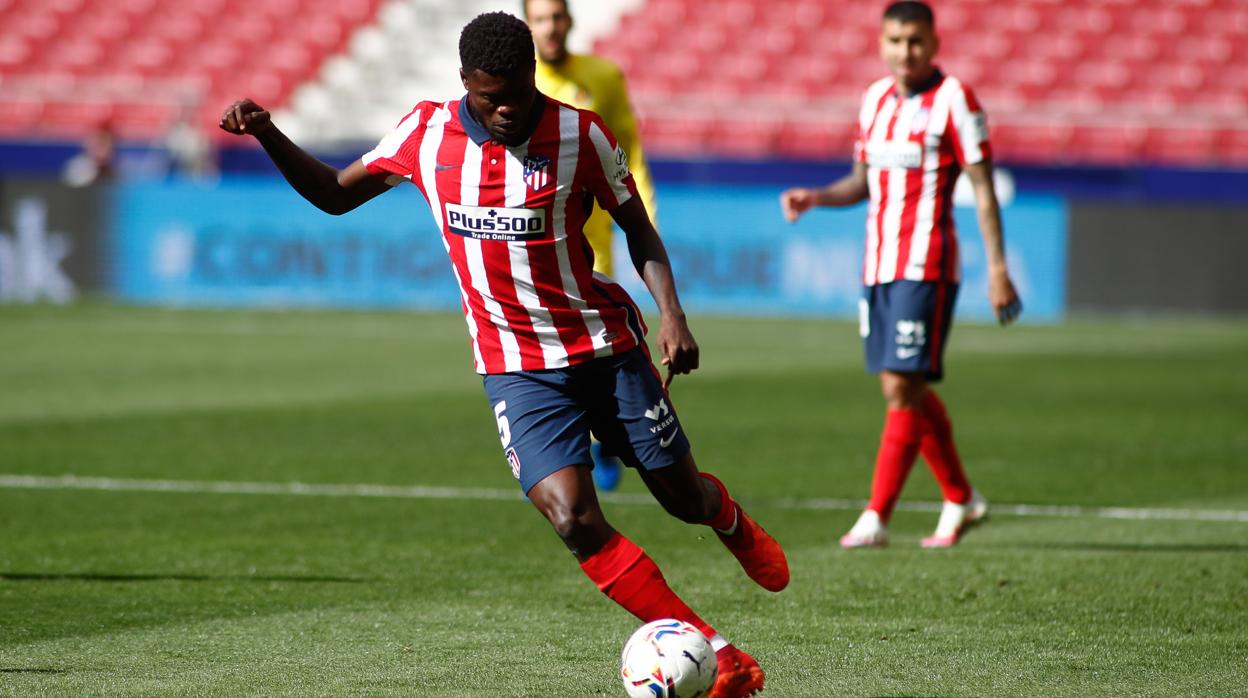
(510, 176)
(917, 130)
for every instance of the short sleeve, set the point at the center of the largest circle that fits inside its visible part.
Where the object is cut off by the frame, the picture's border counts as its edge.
(606, 165)
(969, 127)
(397, 154)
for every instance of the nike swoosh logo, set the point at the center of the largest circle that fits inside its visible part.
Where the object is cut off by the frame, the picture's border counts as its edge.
(908, 353)
(442, 168)
(664, 443)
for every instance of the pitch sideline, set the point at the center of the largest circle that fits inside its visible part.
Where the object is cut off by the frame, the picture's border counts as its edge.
(104, 484)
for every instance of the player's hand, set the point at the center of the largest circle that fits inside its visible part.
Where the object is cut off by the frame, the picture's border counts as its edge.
(1004, 297)
(678, 351)
(795, 202)
(245, 117)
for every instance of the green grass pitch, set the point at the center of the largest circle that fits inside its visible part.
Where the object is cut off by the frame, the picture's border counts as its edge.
(126, 591)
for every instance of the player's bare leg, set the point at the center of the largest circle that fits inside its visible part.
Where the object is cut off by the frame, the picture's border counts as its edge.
(628, 576)
(696, 497)
(619, 568)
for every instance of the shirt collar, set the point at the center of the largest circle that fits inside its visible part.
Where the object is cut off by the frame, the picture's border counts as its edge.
(477, 132)
(932, 81)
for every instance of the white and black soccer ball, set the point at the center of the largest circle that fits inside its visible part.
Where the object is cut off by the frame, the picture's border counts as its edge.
(668, 659)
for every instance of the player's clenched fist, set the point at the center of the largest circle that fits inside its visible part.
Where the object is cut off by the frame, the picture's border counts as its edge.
(795, 202)
(245, 117)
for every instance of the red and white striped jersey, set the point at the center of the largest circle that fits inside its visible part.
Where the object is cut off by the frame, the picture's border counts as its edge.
(511, 220)
(914, 148)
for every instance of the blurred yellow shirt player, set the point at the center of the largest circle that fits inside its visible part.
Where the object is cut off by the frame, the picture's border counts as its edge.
(588, 82)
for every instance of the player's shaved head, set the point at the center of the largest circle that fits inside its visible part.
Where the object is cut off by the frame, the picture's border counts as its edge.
(910, 11)
(496, 43)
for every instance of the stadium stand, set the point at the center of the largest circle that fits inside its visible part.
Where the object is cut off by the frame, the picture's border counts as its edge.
(68, 67)
(1064, 81)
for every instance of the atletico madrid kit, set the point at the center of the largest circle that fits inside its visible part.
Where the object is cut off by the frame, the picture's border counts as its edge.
(914, 147)
(511, 219)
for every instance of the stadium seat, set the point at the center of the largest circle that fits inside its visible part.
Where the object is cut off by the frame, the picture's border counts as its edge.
(745, 138)
(1181, 145)
(675, 135)
(18, 117)
(1118, 145)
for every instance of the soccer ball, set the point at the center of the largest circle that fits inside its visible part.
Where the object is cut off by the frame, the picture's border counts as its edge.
(668, 659)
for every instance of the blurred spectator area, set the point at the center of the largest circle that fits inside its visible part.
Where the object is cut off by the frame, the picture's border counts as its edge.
(68, 67)
(1067, 81)
(1064, 81)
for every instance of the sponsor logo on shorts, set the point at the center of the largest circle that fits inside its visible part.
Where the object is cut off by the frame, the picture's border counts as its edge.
(496, 223)
(664, 418)
(911, 338)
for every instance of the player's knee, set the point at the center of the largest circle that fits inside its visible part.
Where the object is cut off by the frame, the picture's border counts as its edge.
(575, 523)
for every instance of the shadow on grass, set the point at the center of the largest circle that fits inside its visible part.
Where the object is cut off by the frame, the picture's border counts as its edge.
(24, 670)
(1136, 547)
(89, 577)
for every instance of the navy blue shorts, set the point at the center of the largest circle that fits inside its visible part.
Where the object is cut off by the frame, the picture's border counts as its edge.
(545, 417)
(905, 326)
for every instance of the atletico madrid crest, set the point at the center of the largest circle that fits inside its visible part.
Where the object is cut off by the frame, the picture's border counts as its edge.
(536, 171)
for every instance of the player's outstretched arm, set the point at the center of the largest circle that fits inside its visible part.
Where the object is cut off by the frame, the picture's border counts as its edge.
(677, 348)
(846, 191)
(329, 189)
(1001, 292)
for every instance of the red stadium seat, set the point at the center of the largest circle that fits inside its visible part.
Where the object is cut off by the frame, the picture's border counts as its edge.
(69, 118)
(19, 117)
(1113, 145)
(1232, 147)
(144, 121)
(751, 139)
(1032, 143)
(675, 136)
(818, 140)
(1181, 145)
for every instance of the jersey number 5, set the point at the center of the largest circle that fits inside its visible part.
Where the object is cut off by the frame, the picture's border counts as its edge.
(504, 429)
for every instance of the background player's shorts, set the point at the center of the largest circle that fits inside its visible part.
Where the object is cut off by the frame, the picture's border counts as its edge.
(545, 417)
(905, 325)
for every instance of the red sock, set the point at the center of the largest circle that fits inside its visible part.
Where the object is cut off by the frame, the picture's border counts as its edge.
(899, 446)
(627, 575)
(727, 516)
(940, 452)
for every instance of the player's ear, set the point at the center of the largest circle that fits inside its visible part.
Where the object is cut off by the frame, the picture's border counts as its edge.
(463, 77)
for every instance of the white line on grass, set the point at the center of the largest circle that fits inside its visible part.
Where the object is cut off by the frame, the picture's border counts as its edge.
(73, 482)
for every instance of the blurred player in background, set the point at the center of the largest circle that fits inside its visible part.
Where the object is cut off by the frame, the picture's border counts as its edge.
(589, 82)
(510, 176)
(917, 130)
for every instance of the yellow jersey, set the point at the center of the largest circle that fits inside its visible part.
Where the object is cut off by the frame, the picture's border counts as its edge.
(588, 82)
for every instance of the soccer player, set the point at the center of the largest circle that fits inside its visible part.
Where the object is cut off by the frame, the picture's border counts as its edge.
(589, 82)
(918, 129)
(510, 176)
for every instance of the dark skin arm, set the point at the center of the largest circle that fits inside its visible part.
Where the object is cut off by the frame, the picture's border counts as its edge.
(677, 348)
(329, 189)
